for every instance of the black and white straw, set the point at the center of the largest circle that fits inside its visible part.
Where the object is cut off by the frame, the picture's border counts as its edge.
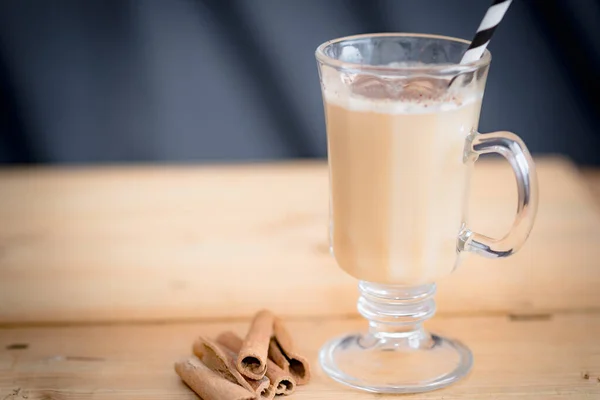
(486, 29)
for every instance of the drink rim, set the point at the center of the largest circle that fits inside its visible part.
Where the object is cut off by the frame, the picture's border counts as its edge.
(431, 69)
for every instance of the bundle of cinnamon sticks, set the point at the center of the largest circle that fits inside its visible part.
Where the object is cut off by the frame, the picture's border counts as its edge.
(260, 366)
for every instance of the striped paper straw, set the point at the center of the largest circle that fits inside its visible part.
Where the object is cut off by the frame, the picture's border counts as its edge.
(486, 29)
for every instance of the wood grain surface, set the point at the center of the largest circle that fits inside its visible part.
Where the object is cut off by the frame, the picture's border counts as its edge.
(180, 243)
(99, 268)
(523, 359)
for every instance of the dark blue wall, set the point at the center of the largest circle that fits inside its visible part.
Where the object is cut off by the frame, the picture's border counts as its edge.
(158, 80)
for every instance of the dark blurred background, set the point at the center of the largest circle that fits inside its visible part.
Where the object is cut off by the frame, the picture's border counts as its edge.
(206, 80)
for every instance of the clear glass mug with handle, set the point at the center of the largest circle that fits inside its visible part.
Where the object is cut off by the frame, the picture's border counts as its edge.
(402, 116)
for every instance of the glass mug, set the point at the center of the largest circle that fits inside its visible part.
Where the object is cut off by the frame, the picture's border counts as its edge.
(402, 116)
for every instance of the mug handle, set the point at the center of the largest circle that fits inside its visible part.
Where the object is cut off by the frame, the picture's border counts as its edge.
(511, 147)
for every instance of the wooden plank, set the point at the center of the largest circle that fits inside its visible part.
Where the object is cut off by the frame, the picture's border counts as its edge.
(533, 359)
(189, 242)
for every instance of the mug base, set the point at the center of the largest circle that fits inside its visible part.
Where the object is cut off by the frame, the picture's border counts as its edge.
(400, 364)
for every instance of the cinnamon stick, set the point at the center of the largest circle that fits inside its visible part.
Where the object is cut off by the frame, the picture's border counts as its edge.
(281, 381)
(222, 361)
(208, 384)
(283, 352)
(252, 357)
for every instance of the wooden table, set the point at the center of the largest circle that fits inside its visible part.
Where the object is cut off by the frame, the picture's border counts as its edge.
(107, 274)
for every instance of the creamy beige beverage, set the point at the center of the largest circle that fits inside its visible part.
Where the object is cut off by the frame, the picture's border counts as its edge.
(398, 180)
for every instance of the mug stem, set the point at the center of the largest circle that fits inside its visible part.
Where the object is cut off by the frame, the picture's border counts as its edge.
(396, 354)
(397, 312)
